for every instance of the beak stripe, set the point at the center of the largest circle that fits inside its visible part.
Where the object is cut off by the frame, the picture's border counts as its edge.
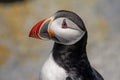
(50, 32)
(35, 30)
(38, 31)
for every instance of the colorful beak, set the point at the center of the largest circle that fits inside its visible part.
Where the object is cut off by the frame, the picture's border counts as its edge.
(36, 29)
(41, 30)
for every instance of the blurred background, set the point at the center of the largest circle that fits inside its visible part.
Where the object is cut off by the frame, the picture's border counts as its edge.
(21, 57)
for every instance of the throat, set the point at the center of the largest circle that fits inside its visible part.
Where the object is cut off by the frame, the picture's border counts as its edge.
(73, 59)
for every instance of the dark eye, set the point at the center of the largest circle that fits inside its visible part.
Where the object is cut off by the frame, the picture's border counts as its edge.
(64, 24)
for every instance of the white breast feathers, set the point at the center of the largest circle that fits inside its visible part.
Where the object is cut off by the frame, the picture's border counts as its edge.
(52, 71)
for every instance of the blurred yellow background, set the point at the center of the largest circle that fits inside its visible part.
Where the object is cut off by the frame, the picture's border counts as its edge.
(21, 57)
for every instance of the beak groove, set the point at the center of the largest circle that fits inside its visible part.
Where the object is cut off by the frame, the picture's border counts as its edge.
(42, 29)
(35, 30)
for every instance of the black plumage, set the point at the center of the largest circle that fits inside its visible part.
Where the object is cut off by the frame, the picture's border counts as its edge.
(73, 58)
(69, 54)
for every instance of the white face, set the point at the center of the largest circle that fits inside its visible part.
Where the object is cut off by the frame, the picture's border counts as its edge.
(66, 31)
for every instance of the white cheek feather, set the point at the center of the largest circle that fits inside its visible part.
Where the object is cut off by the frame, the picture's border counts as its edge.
(69, 35)
(51, 71)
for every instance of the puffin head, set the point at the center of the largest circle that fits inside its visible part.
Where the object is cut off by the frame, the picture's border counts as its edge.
(64, 27)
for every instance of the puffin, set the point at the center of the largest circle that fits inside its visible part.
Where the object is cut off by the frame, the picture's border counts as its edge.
(68, 59)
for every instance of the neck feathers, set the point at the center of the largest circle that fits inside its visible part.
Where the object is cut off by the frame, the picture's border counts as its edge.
(73, 58)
